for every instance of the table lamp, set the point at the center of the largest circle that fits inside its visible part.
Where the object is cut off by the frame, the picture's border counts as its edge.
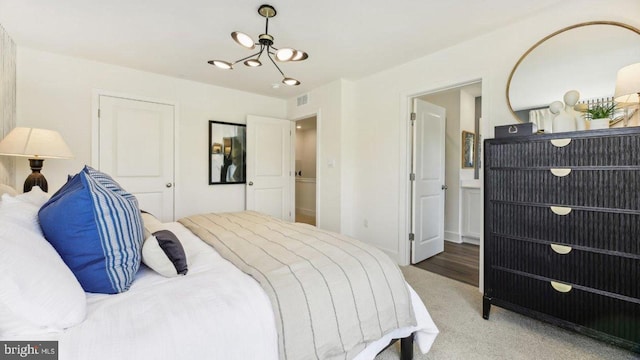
(628, 86)
(37, 145)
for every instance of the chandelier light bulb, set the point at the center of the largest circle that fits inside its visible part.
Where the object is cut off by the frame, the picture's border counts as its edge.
(285, 54)
(253, 63)
(220, 64)
(299, 55)
(290, 81)
(243, 40)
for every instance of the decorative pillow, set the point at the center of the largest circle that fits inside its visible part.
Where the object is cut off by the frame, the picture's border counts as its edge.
(6, 189)
(39, 292)
(96, 228)
(164, 253)
(151, 223)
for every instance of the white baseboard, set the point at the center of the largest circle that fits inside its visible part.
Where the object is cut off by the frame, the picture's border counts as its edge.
(453, 237)
(470, 240)
(306, 212)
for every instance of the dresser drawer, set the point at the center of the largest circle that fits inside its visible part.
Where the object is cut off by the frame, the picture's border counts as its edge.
(611, 231)
(614, 274)
(587, 151)
(602, 313)
(616, 189)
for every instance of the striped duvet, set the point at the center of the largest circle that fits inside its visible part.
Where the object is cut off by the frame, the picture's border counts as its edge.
(331, 295)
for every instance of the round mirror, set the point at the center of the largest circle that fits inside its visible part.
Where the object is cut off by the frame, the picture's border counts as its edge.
(584, 57)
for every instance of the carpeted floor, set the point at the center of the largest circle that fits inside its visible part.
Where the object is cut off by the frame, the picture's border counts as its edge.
(456, 308)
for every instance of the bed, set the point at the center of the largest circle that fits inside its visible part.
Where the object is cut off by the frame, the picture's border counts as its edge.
(215, 311)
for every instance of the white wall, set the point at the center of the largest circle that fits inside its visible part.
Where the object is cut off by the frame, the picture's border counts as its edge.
(382, 110)
(7, 103)
(55, 92)
(327, 102)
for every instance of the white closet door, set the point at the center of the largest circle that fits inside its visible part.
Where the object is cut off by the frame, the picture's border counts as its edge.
(269, 166)
(136, 147)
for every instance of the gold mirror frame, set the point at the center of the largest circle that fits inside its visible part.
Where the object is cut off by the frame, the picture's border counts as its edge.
(589, 23)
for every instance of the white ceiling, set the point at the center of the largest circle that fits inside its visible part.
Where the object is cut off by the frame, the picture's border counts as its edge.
(344, 38)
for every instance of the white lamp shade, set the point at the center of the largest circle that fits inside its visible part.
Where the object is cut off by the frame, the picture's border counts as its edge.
(628, 85)
(35, 143)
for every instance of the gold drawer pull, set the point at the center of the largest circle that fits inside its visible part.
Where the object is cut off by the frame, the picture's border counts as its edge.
(560, 142)
(561, 172)
(561, 249)
(560, 210)
(563, 288)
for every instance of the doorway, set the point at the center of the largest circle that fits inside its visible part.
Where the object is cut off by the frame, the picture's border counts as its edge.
(305, 170)
(460, 258)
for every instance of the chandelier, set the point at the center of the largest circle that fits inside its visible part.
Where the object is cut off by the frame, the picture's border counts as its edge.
(265, 42)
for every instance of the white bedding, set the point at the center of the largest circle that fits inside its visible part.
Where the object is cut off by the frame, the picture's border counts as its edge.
(215, 312)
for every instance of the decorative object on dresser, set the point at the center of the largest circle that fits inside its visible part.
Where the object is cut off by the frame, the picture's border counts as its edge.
(37, 145)
(600, 114)
(561, 225)
(515, 130)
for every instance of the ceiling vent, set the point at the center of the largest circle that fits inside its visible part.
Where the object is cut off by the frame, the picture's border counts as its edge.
(303, 99)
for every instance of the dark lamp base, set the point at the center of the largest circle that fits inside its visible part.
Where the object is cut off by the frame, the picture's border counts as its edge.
(36, 178)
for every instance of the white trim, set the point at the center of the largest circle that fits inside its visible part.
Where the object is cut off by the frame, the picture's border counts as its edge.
(453, 236)
(95, 134)
(470, 240)
(306, 212)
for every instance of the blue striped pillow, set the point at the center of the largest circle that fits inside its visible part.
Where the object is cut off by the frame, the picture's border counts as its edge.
(96, 227)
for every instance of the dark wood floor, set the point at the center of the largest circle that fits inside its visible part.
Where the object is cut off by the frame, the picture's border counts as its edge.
(458, 261)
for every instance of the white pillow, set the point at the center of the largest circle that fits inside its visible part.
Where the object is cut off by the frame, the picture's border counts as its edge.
(6, 189)
(21, 213)
(38, 289)
(36, 197)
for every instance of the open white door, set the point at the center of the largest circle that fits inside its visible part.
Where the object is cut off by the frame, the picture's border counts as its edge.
(136, 147)
(428, 187)
(269, 166)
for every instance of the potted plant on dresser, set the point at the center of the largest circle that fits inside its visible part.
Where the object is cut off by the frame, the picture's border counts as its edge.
(600, 115)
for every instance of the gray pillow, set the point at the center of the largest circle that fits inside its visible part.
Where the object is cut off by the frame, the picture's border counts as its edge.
(163, 252)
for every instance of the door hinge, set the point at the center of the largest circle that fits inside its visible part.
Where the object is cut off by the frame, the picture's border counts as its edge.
(413, 117)
(412, 236)
(98, 113)
(412, 177)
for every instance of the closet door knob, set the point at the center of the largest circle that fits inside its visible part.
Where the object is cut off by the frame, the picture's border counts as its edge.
(168, 185)
(250, 183)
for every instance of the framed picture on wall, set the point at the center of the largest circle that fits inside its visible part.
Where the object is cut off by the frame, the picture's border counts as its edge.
(227, 154)
(468, 149)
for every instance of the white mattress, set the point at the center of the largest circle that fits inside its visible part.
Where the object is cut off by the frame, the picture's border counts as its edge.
(215, 312)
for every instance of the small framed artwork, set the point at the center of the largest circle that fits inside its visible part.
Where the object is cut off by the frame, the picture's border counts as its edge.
(468, 149)
(227, 154)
